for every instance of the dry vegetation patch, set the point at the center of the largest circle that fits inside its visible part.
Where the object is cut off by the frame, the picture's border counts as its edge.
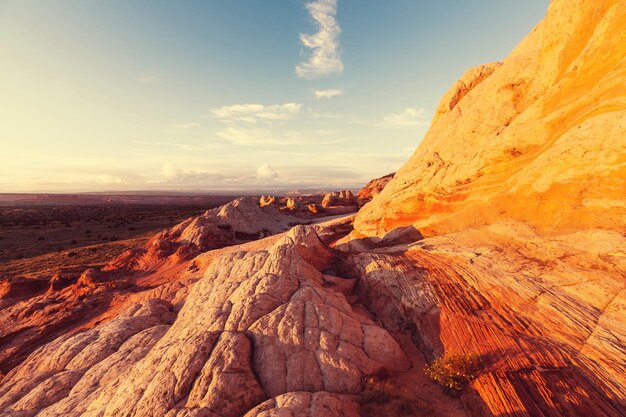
(454, 371)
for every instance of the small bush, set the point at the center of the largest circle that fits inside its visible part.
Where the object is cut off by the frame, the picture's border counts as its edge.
(454, 371)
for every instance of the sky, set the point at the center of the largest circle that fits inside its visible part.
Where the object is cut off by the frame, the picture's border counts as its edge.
(237, 95)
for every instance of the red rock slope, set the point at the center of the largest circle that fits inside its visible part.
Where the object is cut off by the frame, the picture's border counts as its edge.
(520, 189)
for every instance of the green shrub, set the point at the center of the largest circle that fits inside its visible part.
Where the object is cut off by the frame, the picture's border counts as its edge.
(454, 371)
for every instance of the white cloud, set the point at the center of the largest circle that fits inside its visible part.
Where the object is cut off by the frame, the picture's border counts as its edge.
(251, 113)
(266, 173)
(268, 136)
(280, 137)
(246, 136)
(325, 58)
(407, 117)
(330, 93)
(110, 179)
(173, 174)
(187, 126)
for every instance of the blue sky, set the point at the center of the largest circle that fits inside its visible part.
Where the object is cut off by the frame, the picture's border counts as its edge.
(231, 95)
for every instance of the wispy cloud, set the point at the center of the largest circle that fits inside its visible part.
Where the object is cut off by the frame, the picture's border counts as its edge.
(330, 93)
(187, 126)
(251, 113)
(408, 117)
(249, 136)
(267, 136)
(151, 145)
(173, 174)
(325, 58)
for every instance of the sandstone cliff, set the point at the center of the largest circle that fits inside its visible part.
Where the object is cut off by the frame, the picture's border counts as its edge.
(539, 138)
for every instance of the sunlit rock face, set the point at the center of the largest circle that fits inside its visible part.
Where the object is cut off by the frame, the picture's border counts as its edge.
(540, 138)
(373, 188)
(260, 325)
(339, 198)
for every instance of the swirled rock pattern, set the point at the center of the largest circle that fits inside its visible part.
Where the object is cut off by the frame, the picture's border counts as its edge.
(546, 316)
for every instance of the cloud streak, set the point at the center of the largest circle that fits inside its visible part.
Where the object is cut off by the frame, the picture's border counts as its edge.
(325, 57)
(330, 93)
(408, 117)
(251, 113)
(243, 136)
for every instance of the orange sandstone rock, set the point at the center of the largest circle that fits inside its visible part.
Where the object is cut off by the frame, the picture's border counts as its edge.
(373, 188)
(540, 138)
(338, 198)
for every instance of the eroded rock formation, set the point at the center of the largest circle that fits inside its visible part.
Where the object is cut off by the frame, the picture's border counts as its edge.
(258, 325)
(373, 188)
(339, 199)
(33, 312)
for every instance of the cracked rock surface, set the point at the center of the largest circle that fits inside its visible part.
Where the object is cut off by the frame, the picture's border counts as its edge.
(257, 325)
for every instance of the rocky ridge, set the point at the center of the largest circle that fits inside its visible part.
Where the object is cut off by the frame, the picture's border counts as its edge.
(32, 313)
(373, 188)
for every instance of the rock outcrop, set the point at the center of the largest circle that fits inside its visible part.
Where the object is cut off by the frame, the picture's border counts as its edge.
(544, 315)
(373, 188)
(241, 220)
(339, 199)
(292, 204)
(518, 188)
(267, 200)
(539, 138)
(259, 325)
(34, 312)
